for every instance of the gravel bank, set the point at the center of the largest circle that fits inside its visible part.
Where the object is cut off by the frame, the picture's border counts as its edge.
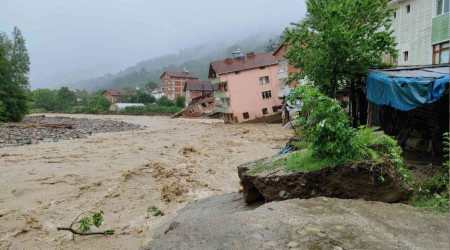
(35, 129)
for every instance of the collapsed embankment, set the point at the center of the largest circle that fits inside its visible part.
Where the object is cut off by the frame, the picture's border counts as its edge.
(367, 180)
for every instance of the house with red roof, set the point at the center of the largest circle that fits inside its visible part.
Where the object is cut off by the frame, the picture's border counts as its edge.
(174, 83)
(113, 95)
(247, 86)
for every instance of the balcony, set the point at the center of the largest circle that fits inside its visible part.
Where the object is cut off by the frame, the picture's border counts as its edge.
(221, 94)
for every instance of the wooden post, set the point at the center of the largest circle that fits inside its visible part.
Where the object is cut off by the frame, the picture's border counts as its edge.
(369, 114)
(353, 101)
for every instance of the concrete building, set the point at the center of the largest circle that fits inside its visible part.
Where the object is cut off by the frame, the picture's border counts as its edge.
(247, 86)
(157, 93)
(174, 83)
(421, 29)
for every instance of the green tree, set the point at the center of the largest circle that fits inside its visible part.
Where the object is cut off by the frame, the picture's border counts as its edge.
(340, 40)
(65, 98)
(180, 101)
(44, 99)
(152, 85)
(143, 97)
(164, 101)
(99, 103)
(14, 68)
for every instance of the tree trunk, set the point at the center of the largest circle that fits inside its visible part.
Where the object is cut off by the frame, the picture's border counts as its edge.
(353, 101)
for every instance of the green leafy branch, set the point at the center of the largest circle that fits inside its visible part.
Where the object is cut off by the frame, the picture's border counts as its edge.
(85, 224)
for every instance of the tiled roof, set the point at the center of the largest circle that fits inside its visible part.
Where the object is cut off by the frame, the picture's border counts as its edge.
(117, 92)
(179, 74)
(238, 64)
(199, 86)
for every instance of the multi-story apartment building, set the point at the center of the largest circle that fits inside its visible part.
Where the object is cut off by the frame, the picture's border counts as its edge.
(173, 83)
(422, 31)
(247, 86)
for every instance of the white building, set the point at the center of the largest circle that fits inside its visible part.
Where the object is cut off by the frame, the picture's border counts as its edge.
(421, 29)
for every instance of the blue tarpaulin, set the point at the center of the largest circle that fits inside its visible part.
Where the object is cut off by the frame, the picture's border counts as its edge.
(404, 93)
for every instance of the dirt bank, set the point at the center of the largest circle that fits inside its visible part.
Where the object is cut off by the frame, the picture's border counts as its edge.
(170, 162)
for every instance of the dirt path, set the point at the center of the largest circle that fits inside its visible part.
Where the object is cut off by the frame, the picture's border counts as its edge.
(171, 162)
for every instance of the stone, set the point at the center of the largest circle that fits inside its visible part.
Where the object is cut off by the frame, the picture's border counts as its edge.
(285, 195)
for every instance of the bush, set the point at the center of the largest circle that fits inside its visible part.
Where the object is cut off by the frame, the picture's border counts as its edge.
(164, 101)
(99, 104)
(180, 101)
(331, 140)
(139, 110)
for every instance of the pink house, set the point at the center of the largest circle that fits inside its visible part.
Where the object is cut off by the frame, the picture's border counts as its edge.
(247, 86)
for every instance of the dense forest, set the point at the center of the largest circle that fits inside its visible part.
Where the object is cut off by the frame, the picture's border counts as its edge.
(195, 60)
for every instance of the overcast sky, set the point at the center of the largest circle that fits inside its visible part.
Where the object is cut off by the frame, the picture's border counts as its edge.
(92, 37)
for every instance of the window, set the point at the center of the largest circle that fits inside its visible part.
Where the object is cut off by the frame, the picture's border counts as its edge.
(267, 94)
(204, 105)
(237, 72)
(191, 111)
(275, 109)
(264, 80)
(265, 112)
(262, 67)
(405, 56)
(441, 53)
(442, 7)
(408, 8)
(246, 116)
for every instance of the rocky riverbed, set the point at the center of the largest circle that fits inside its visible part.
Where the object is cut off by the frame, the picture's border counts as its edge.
(35, 129)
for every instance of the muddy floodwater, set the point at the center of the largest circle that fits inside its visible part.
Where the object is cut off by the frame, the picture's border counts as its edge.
(167, 164)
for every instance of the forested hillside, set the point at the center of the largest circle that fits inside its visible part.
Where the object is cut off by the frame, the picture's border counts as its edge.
(195, 60)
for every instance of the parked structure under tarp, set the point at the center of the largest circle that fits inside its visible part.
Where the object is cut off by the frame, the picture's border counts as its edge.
(404, 93)
(411, 104)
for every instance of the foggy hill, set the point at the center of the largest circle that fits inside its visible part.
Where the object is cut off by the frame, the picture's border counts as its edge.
(195, 60)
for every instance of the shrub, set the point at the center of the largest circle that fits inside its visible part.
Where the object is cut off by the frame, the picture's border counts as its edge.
(98, 104)
(164, 101)
(331, 140)
(180, 101)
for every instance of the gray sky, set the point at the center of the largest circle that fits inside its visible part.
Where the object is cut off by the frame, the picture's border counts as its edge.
(70, 39)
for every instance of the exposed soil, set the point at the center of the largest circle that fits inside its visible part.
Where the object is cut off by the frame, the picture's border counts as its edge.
(365, 180)
(167, 164)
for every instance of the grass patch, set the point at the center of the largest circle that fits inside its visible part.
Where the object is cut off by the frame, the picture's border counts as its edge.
(264, 167)
(305, 161)
(434, 204)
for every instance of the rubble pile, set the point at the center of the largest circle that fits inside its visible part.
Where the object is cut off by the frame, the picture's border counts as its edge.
(35, 129)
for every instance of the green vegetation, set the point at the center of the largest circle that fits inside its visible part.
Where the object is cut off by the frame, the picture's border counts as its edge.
(433, 194)
(14, 85)
(331, 141)
(164, 101)
(138, 97)
(159, 109)
(180, 101)
(86, 223)
(340, 40)
(155, 211)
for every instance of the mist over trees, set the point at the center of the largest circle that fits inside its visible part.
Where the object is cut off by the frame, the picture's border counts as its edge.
(14, 69)
(195, 60)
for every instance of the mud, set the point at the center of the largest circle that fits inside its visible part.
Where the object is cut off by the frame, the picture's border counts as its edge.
(167, 164)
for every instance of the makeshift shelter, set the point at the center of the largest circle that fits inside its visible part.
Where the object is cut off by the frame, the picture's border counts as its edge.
(121, 106)
(410, 103)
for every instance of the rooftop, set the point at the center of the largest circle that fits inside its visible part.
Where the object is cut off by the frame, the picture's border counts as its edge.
(249, 61)
(199, 86)
(179, 74)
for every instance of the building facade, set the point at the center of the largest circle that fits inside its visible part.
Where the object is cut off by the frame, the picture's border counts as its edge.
(247, 86)
(114, 95)
(173, 83)
(421, 29)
